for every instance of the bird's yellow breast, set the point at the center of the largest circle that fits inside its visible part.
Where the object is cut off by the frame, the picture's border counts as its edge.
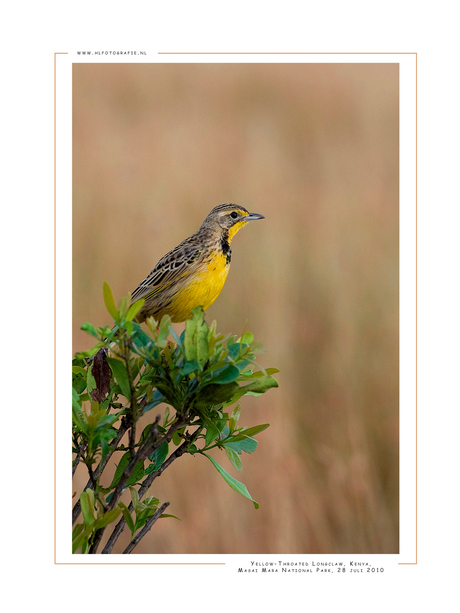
(202, 289)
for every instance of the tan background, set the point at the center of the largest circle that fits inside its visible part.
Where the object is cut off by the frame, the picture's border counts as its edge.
(314, 148)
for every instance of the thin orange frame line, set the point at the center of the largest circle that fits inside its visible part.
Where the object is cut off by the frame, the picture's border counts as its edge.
(286, 53)
(55, 458)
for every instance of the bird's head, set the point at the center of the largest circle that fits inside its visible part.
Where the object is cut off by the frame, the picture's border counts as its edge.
(229, 218)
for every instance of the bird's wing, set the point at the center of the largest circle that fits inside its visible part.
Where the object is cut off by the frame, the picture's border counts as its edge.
(173, 266)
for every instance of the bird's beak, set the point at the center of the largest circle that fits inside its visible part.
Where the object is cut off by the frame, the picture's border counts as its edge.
(253, 217)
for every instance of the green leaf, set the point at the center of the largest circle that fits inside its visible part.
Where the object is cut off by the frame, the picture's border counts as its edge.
(142, 343)
(90, 381)
(82, 540)
(128, 517)
(257, 375)
(106, 437)
(163, 332)
(123, 306)
(248, 432)
(87, 508)
(145, 510)
(107, 518)
(196, 338)
(105, 421)
(247, 338)
(261, 385)
(146, 432)
(90, 329)
(211, 434)
(235, 417)
(202, 344)
(178, 340)
(189, 367)
(158, 456)
(76, 402)
(231, 373)
(91, 498)
(248, 445)
(233, 483)
(109, 301)
(77, 530)
(243, 364)
(79, 381)
(233, 350)
(136, 475)
(157, 398)
(134, 309)
(234, 458)
(120, 373)
(78, 419)
(78, 370)
(90, 352)
(217, 394)
(190, 340)
(258, 386)
(169, 515)
(138, 506)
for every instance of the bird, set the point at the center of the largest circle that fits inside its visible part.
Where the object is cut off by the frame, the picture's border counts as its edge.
(193, 273)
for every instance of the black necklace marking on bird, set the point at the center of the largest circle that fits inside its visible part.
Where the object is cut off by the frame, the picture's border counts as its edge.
(226, 247)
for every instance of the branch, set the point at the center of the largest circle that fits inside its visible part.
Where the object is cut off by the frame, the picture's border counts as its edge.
(113, 446)
(176, 454)
(152, 442)
(145, 486)
(92, 477)
(77, 457)
(133, 412)
(146, 528)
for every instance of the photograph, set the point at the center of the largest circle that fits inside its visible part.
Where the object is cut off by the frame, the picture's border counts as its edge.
(235, 394)
(239, 224)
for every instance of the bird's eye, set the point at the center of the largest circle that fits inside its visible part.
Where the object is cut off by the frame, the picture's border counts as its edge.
(234, 215)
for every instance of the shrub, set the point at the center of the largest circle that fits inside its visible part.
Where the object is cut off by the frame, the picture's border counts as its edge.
(129, 372)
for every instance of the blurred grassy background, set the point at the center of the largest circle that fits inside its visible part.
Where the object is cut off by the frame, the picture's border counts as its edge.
(314, 148)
